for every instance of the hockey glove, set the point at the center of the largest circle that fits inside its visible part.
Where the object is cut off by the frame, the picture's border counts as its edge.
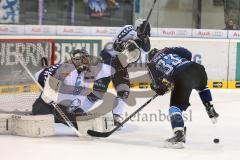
(144, 30)
(50, 91)
(119, 47)
(162, 87)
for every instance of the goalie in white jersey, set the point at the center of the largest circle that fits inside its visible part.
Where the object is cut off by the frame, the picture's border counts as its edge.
(76, 76)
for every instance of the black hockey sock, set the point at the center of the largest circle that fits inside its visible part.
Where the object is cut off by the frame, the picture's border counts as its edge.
(205, 95)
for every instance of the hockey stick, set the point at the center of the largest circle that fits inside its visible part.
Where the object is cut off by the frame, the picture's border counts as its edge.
(150, 12)
(61, 113)
(106, 134)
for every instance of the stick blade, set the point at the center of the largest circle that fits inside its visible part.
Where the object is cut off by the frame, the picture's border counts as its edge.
(98, 134)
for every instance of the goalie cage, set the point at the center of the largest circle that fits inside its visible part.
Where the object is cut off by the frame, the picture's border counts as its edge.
(17, 90)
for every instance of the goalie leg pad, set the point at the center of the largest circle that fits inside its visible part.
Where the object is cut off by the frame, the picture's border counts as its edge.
(5, 127)
(32, 126)
(102, 124)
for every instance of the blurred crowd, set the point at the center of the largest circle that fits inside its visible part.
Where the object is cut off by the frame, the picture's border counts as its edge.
(205, 14)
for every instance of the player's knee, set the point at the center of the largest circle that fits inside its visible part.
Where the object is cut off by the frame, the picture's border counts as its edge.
(123, 91)
(205, 95)
(123, 94)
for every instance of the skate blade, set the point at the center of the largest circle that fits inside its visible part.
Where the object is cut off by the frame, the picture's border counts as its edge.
(214, 120)
(178, 145)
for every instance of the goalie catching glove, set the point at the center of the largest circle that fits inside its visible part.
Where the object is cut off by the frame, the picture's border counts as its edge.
(131, 53)
(162, 87)
(143, 28)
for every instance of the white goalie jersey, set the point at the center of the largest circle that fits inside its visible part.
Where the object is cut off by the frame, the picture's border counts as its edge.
(69, 87)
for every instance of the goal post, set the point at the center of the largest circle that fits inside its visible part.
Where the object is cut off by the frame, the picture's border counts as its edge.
(17, 90)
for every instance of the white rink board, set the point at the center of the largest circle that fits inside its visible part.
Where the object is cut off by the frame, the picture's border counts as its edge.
(216, 54)
(212, 53)
(232, 58)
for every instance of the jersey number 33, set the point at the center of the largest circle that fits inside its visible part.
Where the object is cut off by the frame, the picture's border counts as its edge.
(168, 62)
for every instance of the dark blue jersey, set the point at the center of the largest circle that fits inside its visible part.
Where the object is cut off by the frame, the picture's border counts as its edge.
(51, 70)
(182, 52)
(167, 62)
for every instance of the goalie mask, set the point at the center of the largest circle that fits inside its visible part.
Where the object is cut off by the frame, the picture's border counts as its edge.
(80, 59)
(130, 54)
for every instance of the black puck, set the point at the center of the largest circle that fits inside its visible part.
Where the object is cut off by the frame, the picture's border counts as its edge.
(216, 140)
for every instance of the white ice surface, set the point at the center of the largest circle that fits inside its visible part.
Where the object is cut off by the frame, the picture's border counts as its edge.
(141, 140)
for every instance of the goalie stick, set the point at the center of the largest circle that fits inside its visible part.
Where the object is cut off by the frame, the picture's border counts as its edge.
(106, 134)
(61, 113)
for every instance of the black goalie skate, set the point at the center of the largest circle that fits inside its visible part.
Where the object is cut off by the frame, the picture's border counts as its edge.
(177, 141)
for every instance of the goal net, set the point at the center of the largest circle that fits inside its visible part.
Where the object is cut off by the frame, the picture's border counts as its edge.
(17, 89)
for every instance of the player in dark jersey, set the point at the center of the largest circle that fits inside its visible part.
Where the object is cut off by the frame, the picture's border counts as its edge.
(171, 69)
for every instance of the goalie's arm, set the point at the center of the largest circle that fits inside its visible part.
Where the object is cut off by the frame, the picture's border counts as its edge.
(61, 73)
